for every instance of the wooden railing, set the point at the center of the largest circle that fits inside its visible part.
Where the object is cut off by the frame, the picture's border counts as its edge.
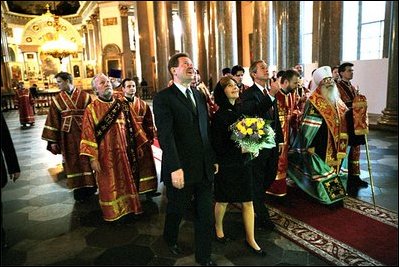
(43, 100)
(145, 92)
(8, 101)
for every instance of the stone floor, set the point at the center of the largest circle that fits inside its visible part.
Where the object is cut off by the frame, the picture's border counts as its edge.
(44, 225)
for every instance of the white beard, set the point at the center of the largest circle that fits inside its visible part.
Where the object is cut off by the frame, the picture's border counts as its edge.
(330, 93)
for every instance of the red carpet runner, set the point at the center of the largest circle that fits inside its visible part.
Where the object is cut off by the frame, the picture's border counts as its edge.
(356, 234)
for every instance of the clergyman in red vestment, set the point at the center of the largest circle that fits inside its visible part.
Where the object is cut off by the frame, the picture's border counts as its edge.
(348, 92)
(288, 112)
(109, 141)
(62, 130)
(25, 105)
(142, 115)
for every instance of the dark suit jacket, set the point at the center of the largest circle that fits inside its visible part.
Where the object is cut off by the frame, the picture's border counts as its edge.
(10, 157)
(256, 104)
(183, 135)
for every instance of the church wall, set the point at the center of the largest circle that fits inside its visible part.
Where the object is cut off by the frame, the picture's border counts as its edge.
(372, 78)
(110, 34)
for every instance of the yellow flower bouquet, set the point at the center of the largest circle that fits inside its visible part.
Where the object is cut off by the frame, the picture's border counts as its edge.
(253, 134)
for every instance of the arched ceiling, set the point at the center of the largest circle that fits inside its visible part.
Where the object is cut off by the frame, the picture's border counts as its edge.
(20, 12)
(60, 8)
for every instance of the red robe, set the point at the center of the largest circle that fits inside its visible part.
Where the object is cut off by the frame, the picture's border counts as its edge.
(118, 194)
(288, 112)
(25, 106)
(348, 92)
(63, 126)
(142, 114)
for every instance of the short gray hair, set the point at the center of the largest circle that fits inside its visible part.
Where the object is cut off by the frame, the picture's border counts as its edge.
(93, 81)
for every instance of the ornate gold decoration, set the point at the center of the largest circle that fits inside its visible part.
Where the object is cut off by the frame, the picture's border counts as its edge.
(59, 47)
(110, 21)
(334, 188)
(124, 10)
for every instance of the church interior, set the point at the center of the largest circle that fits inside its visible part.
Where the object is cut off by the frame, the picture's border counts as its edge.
(43, 223)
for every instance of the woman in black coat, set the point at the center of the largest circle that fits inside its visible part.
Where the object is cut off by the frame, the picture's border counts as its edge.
(233, 182)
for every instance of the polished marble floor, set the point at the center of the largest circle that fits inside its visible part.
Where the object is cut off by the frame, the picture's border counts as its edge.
(44, 225)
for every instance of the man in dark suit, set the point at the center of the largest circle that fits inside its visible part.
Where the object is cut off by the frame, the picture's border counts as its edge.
(188, 161)
(259, 101)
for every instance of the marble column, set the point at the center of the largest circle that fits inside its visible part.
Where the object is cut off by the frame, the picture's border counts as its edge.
(286, 33)
(327, 32)
(146, 52)
(162, 43)
(261, 33)
(127, 57)
(213, 70)
(239, 19)
(97, 40)
(390, 113)
(227, 28)
(186, 10)
(201, 14)
(294, 33)
(86, 47)
(90, 34)
(280, 33)
(169, 9)
(5, 70)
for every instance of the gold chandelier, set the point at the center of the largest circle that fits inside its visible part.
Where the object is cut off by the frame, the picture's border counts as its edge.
(59, 47)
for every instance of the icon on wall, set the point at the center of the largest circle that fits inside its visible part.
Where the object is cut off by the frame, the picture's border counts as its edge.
(16, 73)
(90, 71)
(76, 71)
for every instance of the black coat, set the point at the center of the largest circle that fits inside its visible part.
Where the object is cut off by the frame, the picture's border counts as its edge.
(184, 136)
(256, 104)
(10, 157)
(233, 182)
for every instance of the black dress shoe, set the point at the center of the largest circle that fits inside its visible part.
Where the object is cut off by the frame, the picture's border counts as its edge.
(259, 252)
(153, 194)
(362, 184)
(207, 263)
(223, 240)
(266, 225)
(4, 245)
(175, 249)
(354, 180)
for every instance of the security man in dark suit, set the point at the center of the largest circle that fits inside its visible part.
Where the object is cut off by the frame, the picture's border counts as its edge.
(188, 160)
(259, 101)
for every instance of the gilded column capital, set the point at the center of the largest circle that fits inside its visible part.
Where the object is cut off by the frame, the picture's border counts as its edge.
(4, 24)
(89, 24)
(83, 28)
(94, 18)
(123, 10)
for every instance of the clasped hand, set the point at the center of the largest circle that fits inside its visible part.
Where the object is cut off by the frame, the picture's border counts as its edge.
(55, 149)
(178, 178)
(95, 165)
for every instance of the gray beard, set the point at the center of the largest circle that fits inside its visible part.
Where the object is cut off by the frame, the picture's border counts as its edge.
(331, 94)
(107, 94)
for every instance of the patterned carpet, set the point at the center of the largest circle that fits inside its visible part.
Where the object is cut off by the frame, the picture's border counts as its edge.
(332, 249)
